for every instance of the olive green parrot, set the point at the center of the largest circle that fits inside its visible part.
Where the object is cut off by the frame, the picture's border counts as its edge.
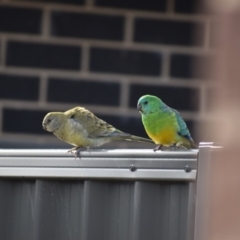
(82, 129)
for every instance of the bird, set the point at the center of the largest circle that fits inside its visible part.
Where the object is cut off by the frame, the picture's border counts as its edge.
(163, 124)
(82, 129)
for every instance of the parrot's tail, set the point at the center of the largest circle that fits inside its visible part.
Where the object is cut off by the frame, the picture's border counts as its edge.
(193, 145)
(188, 143)
(133, 138)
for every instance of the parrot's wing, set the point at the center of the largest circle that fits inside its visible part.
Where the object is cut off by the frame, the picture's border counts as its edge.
(183, 129)
(94, 126)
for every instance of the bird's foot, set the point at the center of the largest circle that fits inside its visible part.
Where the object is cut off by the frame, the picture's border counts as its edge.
(76, 151)
(175, 147)
(157, 148)
(181, 147)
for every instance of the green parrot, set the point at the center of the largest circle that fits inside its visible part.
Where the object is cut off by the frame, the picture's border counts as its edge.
(82, 129)
(163, 124)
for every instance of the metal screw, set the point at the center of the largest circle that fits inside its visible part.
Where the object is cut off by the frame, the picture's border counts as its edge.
(132, 168)
(187, 169)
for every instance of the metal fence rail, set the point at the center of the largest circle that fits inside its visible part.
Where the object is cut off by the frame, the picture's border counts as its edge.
(115, 194)
(114, 164)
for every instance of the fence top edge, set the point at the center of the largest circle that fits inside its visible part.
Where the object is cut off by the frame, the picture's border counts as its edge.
(99, 153)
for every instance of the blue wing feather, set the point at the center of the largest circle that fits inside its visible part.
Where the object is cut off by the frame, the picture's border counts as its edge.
(183, 129)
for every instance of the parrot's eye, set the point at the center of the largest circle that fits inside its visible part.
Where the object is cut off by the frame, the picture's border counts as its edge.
(49, 120)
(146, 102)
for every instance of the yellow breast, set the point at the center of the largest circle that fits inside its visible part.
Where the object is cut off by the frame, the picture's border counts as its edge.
(165, 137)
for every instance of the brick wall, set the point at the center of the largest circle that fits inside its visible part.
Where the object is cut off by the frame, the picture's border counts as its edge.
(103, 55)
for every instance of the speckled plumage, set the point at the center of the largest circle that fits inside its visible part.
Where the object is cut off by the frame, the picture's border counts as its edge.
(81, 128)
(163, 124)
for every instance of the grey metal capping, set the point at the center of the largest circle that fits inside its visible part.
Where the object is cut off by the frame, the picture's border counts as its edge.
(115, 164)
(96, 173)
(50, 195)
(119, 153)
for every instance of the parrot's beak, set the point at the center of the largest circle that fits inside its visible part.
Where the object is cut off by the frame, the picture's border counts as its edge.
(44, 127)
(139, 108)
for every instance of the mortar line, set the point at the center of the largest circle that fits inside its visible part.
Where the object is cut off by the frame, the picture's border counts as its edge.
(170, 6)
(128, 28)
(3, 52)
(43, 87)
(124, 93)
(46, 23)
(85, 58)
(207, 35)
(165, 66)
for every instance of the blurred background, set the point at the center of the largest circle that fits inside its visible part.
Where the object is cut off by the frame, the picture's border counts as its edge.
(103, 55)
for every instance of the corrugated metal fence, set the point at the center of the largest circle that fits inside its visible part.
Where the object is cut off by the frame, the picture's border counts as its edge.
(116, 194)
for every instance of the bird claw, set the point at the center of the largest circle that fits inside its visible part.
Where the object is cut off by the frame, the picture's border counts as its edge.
(180, 146)
(157, 148)
(76, 151)
(173, 147)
